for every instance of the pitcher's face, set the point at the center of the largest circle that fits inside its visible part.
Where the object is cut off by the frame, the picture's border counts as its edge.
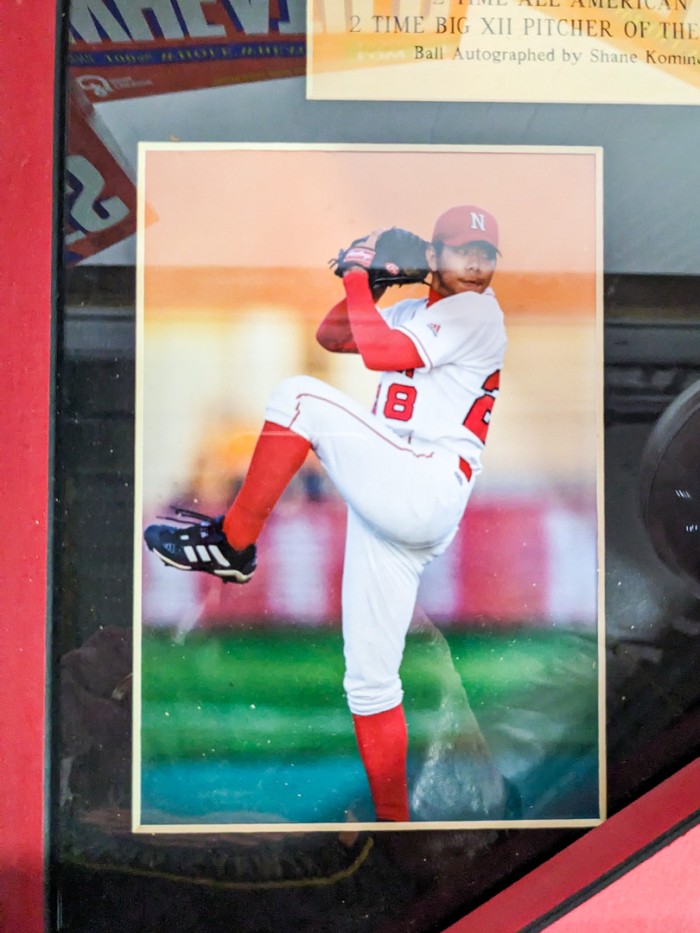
(465, 268)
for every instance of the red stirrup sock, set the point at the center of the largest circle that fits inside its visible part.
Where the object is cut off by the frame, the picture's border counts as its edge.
(278, 455)
(383, 742)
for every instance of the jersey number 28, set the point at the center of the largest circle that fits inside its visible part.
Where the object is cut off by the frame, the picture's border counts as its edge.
(401, 400)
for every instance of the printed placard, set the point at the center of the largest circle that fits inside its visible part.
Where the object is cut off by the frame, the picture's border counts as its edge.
(251, 703)
(551, 51)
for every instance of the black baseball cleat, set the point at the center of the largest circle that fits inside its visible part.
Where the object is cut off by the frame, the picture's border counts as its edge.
(202, 546)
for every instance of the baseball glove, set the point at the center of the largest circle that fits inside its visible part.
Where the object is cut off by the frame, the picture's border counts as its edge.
(397, 258)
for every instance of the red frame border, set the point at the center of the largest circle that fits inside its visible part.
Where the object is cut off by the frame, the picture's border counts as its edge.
(26, 178)
(586, 862)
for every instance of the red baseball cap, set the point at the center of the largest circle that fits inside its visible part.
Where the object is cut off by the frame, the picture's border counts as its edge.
(466, 224)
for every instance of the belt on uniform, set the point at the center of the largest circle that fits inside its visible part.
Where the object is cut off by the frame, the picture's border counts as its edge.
(465, 468)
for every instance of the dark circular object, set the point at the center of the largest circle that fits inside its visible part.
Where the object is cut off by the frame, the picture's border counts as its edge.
(670, 486)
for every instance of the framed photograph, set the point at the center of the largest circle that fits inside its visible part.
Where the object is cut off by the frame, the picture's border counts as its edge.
(209, 762)
(235, 293)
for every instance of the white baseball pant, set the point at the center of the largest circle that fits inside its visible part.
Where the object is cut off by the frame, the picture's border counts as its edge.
(405, 500)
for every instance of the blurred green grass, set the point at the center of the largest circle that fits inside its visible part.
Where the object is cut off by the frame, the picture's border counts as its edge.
(278, 691)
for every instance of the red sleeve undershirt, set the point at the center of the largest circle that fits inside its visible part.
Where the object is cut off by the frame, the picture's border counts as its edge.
(355, 325)
(334, 332)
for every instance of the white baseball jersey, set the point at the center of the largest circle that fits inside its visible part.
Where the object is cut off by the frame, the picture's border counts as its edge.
(448, 402)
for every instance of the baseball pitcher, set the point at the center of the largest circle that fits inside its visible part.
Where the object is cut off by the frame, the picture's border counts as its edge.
(406, 469)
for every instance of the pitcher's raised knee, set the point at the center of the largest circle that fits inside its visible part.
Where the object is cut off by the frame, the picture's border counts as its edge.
(284, 404)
